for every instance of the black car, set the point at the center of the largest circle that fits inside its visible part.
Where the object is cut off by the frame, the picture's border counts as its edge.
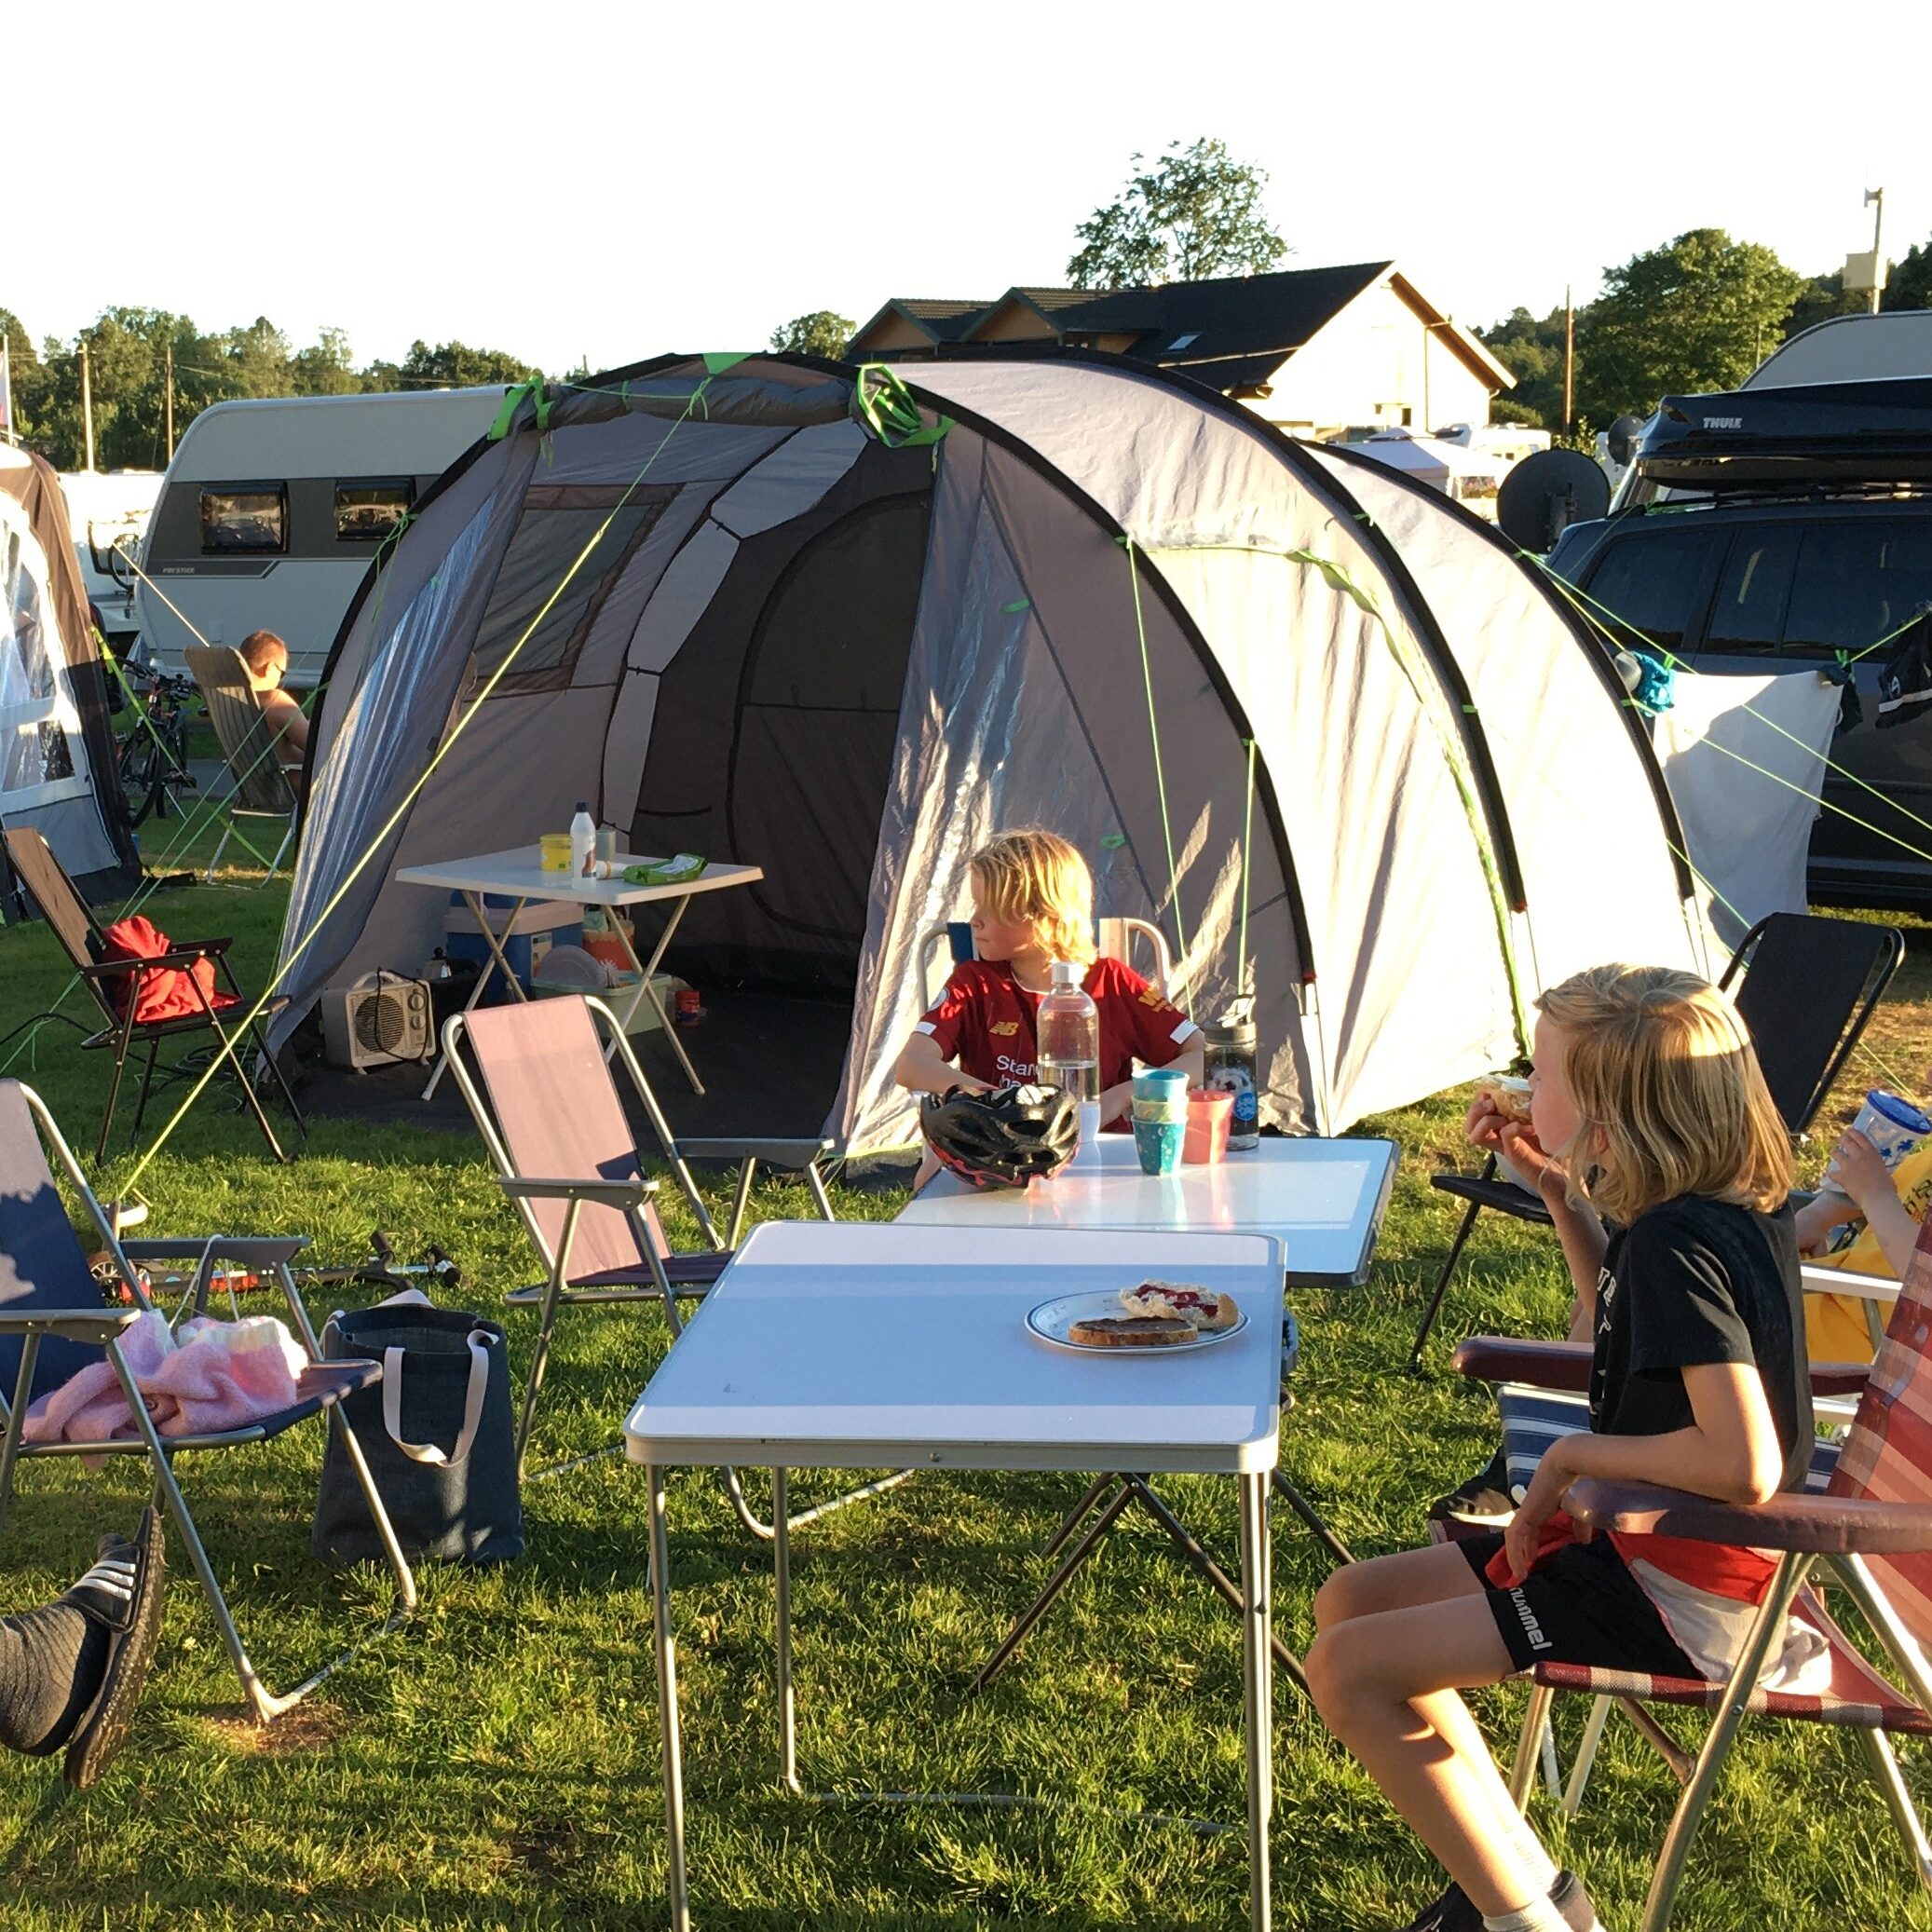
(1767, 529)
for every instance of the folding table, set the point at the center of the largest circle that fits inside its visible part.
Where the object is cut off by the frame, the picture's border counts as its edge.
(519, 876)
(1323, 1199)
(856, 1345)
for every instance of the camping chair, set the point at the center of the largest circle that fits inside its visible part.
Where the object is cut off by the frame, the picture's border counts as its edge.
(547, 1107)
(952, 944)
(1872, 1533)
(73, 924)
(258, 785)
(1805, 987)
(53, 1321)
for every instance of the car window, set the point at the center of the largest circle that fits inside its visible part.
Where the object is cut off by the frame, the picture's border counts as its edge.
(1649, 583)
(1856, 582)
(1749, 611)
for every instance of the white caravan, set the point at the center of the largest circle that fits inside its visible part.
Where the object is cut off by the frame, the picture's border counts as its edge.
(108, 511)
(272, 512)
(1850, 348)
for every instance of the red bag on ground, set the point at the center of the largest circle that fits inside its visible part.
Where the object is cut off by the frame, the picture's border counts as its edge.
(168, 992)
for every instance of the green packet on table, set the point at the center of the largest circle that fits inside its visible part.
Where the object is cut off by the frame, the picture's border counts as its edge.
(666, 872)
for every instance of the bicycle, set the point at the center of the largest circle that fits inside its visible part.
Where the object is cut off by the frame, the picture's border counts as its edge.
(153, 756)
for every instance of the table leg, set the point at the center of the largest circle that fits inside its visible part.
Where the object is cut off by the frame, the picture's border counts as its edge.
(781, 1581)
(667, 1705)
(645, 990)
(1258, 1685)
(496, 958)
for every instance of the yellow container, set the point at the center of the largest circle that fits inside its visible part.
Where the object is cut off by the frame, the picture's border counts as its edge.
(556, 851)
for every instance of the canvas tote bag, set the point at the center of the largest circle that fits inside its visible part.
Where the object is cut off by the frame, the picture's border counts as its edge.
(436, 1433)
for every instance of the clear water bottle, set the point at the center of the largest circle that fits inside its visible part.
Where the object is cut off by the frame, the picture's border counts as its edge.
(1070, 1049)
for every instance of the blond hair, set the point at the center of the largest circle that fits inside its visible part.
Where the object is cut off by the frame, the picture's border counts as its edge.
(1668, 1094)
(1035, 876)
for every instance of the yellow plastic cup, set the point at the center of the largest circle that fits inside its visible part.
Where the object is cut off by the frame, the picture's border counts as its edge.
(556, 851)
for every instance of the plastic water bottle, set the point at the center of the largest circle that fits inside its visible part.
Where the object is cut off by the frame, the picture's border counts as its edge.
(1232, 1066)
(1070, 1049)
(583, 841)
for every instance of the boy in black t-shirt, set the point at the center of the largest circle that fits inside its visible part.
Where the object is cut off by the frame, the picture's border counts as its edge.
(1648, 1108)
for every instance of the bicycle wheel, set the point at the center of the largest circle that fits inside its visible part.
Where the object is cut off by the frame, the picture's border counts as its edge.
(141, 772)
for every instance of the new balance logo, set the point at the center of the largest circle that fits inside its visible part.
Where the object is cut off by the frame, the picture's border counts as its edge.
(1004, 1029)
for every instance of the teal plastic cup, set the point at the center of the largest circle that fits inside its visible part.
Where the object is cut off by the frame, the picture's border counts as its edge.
(1167, 1085)
(1159, 1145)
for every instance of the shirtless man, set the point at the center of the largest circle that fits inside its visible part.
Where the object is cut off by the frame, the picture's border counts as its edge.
(265, 658)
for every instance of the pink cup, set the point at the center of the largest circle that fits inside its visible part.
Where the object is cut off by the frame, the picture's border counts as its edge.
(1210, 1110)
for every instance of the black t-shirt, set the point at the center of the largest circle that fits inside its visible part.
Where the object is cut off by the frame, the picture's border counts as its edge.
(1690, 1282)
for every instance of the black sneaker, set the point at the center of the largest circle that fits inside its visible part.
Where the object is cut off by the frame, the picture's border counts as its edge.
(1484, 1499)
(1453, 1912)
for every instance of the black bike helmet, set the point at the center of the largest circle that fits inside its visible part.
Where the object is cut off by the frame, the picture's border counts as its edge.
(1004, 1139)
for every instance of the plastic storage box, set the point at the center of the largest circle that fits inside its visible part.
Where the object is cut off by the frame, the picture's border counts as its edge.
(539, 927)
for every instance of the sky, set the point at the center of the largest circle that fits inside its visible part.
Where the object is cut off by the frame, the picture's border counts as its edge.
(580, 182)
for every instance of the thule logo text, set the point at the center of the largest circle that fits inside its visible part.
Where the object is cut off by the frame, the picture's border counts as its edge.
(1723, 422)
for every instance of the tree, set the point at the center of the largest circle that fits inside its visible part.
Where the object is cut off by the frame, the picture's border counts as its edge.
(1910, 284)
(1196, 212)
(458, 366)
(820, 334)
(325, 368)
(1532, 350)
(1822, 297)
(1698, 314)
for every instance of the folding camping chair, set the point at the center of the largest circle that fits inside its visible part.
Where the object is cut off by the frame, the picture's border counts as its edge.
(1871, 1530)
(1118, 938)
(53, 1321)
(544, 1101)
(258, 785)
(72, 921)
(1805, 987)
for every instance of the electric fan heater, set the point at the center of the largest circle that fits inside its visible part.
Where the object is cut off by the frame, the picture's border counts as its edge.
(377, 1021)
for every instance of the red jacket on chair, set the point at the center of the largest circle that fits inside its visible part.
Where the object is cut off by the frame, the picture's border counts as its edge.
(168, 992)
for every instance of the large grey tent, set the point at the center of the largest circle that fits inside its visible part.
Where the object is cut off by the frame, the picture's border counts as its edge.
(847, 643)
(58, 773)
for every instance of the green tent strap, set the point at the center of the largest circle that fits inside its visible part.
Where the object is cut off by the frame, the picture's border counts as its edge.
(1018, 604)
(1409, 662)
(1153, 728)
(883, 406)
(513, 398)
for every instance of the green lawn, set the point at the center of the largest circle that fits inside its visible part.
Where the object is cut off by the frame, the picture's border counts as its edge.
(495, 1763)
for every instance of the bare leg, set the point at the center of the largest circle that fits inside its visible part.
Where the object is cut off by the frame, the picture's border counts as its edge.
(1385, 1681)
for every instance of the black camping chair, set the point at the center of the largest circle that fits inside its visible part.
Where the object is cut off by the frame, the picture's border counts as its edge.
(54, 1322)
(1805, 987)
(72, 921)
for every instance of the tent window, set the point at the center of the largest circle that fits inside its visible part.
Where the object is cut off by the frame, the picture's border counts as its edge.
(548, 539)
(244, 517)
(34, 712)
(833, 637)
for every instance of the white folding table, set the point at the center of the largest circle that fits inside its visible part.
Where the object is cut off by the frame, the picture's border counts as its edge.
(519, 876)
(1324, 1200)
(857, 1345)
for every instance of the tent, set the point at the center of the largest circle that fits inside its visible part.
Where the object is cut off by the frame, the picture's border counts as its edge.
(57, 769)
(1299, 711)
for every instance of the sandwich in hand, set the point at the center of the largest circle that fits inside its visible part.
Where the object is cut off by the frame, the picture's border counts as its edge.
(1508, 1096)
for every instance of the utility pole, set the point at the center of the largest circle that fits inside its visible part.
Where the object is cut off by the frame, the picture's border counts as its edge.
(169, 394)
(1569, 362)
(1875, 201)
(87, 401)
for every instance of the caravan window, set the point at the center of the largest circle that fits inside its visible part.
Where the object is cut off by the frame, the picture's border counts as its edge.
(367, 511)
(557, 525)
(245, 517)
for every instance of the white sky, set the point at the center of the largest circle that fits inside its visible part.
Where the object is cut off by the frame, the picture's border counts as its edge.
(607, 182)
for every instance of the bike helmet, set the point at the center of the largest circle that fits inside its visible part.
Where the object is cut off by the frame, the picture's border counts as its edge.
(1004, 1139)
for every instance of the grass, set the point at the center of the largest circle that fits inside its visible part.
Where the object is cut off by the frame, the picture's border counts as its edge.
(496, 1765)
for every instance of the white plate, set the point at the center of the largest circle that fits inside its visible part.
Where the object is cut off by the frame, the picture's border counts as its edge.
(1052, 1319)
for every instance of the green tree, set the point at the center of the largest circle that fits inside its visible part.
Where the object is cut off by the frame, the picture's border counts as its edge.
(1910, 283)
(1531, 347)
(1822, 297)
(460, 366)
(325, 367)
(820, 334)
(1698, 314)
(1195, 213)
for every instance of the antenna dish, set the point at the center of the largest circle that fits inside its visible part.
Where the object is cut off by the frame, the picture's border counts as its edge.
(1622, 439)
(1544, 494)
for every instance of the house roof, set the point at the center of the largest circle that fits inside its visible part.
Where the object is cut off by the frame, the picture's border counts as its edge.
(1233, 332)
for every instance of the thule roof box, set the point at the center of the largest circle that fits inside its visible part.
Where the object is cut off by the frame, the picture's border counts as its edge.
(1853, 435)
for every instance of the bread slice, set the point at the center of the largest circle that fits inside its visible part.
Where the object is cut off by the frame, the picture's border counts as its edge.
(1130, 1331)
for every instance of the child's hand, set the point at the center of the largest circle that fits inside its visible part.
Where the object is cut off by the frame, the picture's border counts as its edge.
(1523, 1536)
(1814, 1222)
(1862, 1173)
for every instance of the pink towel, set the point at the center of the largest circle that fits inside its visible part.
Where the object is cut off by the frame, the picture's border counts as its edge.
(207, 1376)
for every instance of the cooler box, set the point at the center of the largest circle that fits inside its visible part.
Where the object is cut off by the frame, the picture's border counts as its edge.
(539, 926)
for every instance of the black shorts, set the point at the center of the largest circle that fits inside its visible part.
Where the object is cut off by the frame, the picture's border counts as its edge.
(1580, 1605)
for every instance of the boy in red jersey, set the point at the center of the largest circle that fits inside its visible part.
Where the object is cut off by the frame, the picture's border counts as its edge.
(1033, 904)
